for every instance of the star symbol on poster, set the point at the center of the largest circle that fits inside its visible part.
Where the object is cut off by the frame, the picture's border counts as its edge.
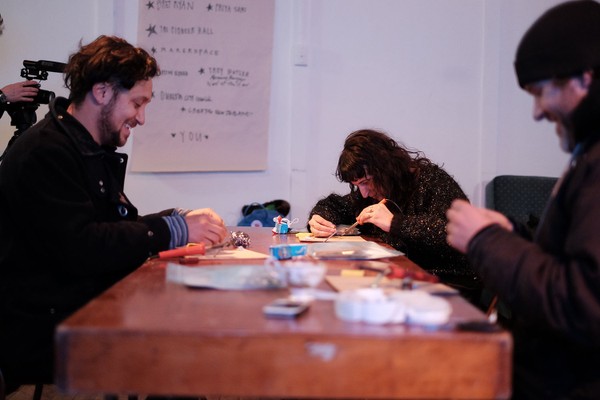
(151, 30)
(150, 5)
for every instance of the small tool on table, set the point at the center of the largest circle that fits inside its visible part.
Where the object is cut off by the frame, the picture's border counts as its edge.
(343, 232)
(237, 239)
(349, 229)
(190, 250)
(380, 275)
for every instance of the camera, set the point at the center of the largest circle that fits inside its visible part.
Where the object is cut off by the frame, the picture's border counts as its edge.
(22, 113)
(44, 97)
(39, 70)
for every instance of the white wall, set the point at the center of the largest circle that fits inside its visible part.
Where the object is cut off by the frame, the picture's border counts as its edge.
(435, 74)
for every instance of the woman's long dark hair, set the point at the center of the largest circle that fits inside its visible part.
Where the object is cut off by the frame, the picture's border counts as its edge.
(393, 168)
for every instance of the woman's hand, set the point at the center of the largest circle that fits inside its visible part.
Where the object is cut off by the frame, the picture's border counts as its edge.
(378, 215)
(320, 227)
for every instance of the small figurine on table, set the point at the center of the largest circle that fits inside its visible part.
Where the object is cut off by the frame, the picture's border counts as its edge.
(283, 225)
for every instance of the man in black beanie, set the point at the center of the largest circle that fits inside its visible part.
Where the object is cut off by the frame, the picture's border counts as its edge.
(551, 282)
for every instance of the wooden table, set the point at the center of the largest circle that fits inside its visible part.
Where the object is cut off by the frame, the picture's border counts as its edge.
(145, 335)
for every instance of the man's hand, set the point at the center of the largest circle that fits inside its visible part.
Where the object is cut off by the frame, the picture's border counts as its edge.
(465, 220)
(205, 226)
(21, 91)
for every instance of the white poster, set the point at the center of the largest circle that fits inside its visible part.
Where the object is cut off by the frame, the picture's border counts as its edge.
(210, 104)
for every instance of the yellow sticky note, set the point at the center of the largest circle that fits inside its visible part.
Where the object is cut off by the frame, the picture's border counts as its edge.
(352, 272)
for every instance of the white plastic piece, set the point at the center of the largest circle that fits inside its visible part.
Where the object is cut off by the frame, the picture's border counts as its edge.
(376, 306)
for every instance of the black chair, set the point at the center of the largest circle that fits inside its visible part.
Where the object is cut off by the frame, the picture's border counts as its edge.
(523, 198)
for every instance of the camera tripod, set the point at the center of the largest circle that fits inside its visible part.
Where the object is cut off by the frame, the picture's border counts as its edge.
(22, 116)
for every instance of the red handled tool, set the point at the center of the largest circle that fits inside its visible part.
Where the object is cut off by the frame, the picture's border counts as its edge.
(192, 249)
(402, 273)
(395, 272)
(189, 250)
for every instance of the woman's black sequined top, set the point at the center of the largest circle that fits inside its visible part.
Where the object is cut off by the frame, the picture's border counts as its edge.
(418, 229)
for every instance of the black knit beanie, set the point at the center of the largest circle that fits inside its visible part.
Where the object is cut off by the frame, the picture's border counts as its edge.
(563, 42)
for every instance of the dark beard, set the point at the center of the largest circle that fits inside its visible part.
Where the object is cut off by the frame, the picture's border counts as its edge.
(585, 118)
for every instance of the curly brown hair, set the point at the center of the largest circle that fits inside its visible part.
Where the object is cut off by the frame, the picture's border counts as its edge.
(107, 59)
(393, 168)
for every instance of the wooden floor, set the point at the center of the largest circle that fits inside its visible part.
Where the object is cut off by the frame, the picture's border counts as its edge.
(51, 392)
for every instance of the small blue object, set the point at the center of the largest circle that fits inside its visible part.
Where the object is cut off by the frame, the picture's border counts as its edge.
(287, 251)
(283, 225)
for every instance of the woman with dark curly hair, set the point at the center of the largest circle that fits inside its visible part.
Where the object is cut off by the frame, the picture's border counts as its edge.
(412, 218)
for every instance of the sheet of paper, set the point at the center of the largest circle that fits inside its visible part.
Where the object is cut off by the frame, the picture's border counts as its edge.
(211, 103)
(239, 253)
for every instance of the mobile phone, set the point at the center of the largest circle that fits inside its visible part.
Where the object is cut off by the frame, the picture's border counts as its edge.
(284, 308)
(478, 326)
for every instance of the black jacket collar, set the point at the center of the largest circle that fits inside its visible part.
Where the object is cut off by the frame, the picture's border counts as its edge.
(80, 136)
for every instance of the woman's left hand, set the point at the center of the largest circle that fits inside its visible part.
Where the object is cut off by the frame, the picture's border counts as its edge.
(378, 215)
